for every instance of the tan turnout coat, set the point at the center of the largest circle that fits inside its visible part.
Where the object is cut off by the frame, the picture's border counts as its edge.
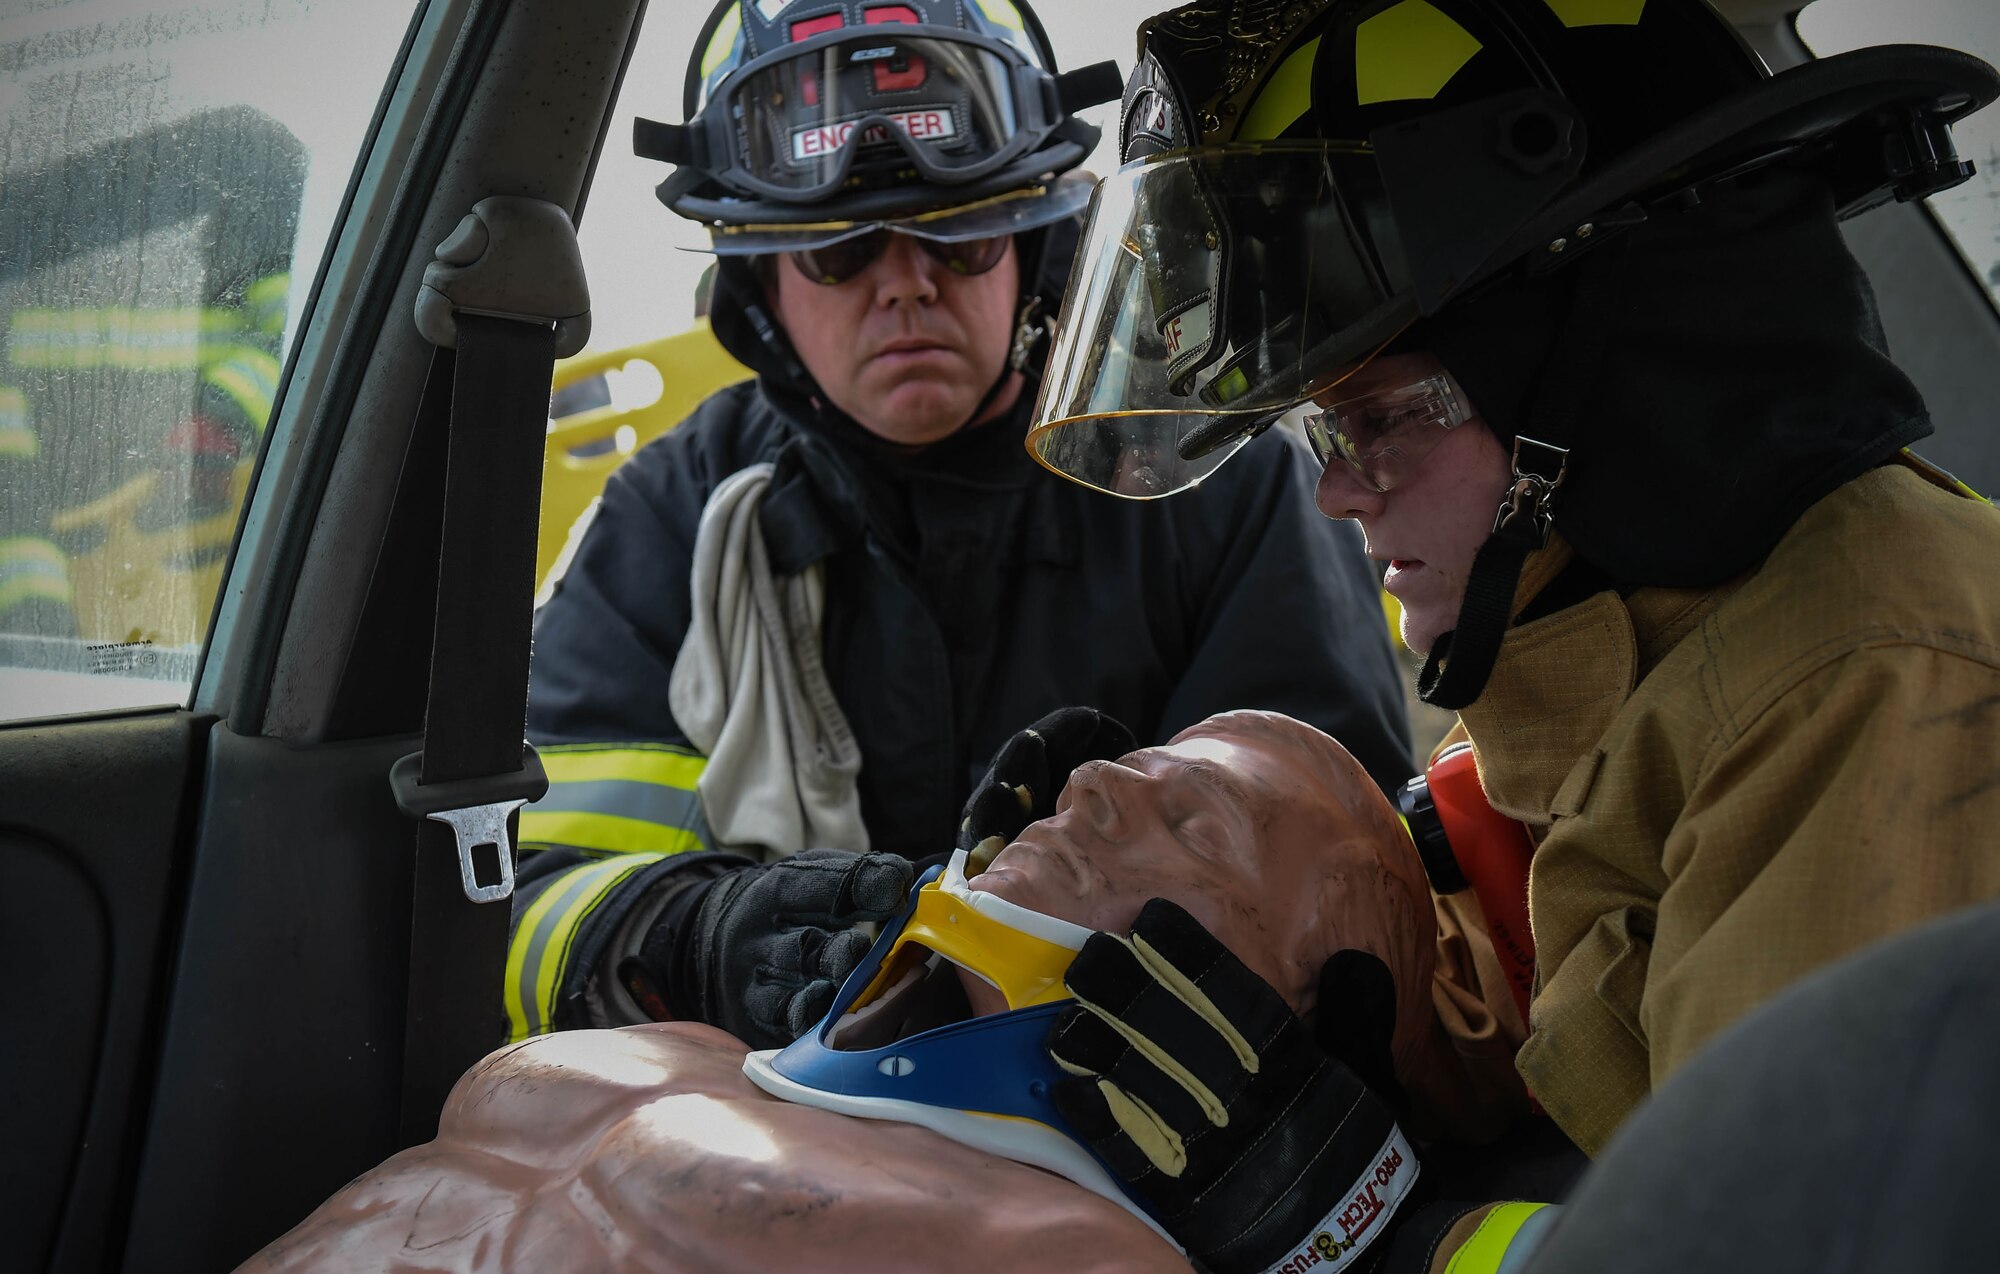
(1736, 785)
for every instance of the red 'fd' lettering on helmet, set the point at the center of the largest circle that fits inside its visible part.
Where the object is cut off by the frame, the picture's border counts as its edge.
(895, 75)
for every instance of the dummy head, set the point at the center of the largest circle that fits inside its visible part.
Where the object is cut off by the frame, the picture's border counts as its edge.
(1263, 828)
(1266, 830)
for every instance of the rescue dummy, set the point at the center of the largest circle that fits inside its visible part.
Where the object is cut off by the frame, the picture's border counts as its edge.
(648, 1148)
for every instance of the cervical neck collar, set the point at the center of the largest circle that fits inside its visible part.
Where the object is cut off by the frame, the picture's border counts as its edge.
(900, 1044)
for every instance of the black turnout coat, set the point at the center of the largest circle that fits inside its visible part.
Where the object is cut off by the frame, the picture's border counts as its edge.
(969, 591)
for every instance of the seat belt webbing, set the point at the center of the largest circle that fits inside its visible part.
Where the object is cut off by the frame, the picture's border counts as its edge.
(491, 395)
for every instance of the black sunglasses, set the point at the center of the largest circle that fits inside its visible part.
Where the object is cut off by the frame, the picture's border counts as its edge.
(836, 263)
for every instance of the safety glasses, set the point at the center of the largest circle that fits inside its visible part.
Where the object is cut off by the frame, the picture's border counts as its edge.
(835, 263)
(1383, 435)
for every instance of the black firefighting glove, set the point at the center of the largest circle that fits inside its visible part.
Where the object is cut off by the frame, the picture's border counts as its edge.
(1028, 773)
(1254, 1147)
(761, 950)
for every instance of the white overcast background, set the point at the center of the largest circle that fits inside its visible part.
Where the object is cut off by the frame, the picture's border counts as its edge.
(642, 282)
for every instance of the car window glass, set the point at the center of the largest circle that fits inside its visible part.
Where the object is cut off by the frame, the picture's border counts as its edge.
(169, 175)
(1969, 213)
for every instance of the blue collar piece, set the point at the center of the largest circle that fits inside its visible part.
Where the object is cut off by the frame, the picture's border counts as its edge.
(985, 1082)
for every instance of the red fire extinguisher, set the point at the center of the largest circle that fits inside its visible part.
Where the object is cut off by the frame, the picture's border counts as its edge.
(1466, 843)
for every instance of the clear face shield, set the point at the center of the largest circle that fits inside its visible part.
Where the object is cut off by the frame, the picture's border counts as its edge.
(1214, 291)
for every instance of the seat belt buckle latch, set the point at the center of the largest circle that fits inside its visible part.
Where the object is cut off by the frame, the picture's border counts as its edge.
(476, 810)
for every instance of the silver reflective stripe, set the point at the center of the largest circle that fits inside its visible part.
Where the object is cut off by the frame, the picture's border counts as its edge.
(1527, 1239)
(541, 943)
(651, 802)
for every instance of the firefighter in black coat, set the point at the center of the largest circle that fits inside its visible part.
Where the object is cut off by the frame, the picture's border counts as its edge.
(957, 589)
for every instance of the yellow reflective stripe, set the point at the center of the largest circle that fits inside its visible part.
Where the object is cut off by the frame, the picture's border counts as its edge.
(81, 337)
(1408, 52)
(720, 43)
(1598, 13)
(26, 588)
(250, 378)
(542, 941)
(1001, 13)
(16, 439)
(604, 833)
(669, 768)
(166, 339)
(30, 569)
(264, 303)
(1483, 1252)
(1286, 96)
(32, 550)
(617, 799)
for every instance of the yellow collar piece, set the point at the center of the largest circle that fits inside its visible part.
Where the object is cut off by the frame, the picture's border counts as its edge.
(1023, 953)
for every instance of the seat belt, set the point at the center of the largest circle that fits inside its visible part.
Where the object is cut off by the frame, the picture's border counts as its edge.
(503, 300)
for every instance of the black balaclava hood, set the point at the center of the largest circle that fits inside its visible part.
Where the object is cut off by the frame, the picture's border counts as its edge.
(745, 325)
(1743, 376)
(989, 457)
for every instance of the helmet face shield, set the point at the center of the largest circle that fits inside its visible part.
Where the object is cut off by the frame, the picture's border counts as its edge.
(798, 122)
(1214, 291)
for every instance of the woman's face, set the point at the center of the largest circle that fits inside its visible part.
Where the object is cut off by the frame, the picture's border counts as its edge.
(1429, 526)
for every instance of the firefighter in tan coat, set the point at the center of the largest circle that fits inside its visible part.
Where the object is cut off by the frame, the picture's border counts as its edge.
(1728, 647)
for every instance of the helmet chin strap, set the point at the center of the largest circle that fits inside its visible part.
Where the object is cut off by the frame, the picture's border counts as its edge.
(1027, 332)
(1461, 661)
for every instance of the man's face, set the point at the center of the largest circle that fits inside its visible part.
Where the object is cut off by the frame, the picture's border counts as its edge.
(907, 347)
(1280, 853)
(1430, 525)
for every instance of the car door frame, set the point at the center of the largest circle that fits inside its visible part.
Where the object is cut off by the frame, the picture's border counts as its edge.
(239, 1011)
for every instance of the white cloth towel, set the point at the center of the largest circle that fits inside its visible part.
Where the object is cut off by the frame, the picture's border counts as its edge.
(750, 691)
